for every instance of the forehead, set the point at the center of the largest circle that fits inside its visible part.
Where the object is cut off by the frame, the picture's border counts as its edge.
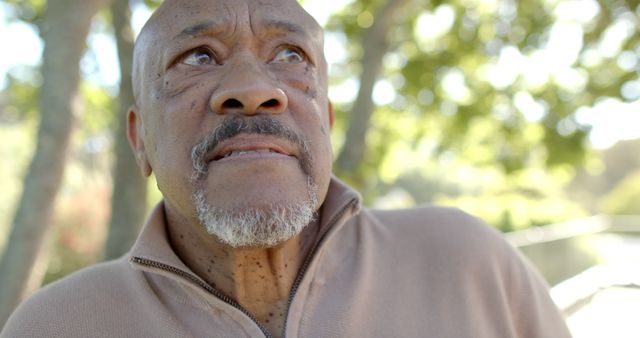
(178, 19)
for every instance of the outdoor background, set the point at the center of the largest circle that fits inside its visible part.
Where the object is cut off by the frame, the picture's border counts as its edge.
(524, 113)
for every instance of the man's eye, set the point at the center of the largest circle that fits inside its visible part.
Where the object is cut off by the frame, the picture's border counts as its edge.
(288, 55)
(199, 57)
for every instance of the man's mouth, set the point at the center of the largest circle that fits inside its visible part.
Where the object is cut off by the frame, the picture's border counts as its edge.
(248, 153)
(244, 152)
(253, 147)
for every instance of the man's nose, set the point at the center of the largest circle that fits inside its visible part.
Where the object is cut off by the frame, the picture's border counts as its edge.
(248, 90)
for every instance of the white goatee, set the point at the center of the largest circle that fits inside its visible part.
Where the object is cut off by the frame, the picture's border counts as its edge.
(265, 226)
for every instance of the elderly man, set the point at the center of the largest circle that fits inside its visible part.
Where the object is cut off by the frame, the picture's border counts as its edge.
(254, 237)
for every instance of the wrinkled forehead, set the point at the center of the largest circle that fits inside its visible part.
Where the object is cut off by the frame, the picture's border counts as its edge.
(180, 17)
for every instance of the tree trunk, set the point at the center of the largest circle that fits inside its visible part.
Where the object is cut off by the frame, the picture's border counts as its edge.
(375, 43)
(65, 28)
(128, 202)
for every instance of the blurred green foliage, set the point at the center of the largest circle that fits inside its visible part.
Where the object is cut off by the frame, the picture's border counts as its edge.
(19, 100)
(30, 11)
(454, 106)
(624, 199)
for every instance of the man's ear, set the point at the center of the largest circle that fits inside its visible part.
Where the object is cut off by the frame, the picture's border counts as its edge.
(135, 131)
(331, 114)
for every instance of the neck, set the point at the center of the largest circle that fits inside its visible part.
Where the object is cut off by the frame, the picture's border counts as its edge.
(259, 279)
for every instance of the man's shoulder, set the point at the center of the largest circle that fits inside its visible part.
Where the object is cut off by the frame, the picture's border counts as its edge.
(95, 280)
(71, 301)
(452, 260)
(433, 232)
(435, 223)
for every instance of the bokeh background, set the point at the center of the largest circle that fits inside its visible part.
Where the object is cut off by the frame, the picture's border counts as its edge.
(524, 113)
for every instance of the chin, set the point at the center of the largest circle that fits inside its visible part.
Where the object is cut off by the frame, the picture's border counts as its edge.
(257, 217)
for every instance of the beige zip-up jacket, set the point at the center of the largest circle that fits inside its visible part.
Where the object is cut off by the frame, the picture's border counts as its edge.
(424, 272)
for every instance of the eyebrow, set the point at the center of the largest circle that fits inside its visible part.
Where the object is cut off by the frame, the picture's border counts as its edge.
(198, 28)
(210, 26)
(284, 26)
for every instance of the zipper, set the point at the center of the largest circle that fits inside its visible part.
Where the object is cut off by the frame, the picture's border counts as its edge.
(229, 300)
(307, 260)
(207, 287)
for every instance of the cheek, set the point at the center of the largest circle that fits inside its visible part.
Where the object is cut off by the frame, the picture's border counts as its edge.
(305, 87)
(317, 135)
(174, 170)
(176, 125)
(172, 157)
(184, 96)
(303, 81)
(322, 168)
(180, 111)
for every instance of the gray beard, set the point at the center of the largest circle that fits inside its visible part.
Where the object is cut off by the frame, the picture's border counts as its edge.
(257, 227)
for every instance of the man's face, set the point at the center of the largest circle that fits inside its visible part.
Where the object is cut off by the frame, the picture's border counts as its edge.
(241, 86)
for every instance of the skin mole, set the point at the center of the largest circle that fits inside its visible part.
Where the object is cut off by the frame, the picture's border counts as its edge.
(311, 93)
(182, 89)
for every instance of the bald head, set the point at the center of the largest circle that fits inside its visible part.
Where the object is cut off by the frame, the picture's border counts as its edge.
(177, 21)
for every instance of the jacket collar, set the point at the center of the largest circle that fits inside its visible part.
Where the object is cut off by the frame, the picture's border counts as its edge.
(153, 242)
